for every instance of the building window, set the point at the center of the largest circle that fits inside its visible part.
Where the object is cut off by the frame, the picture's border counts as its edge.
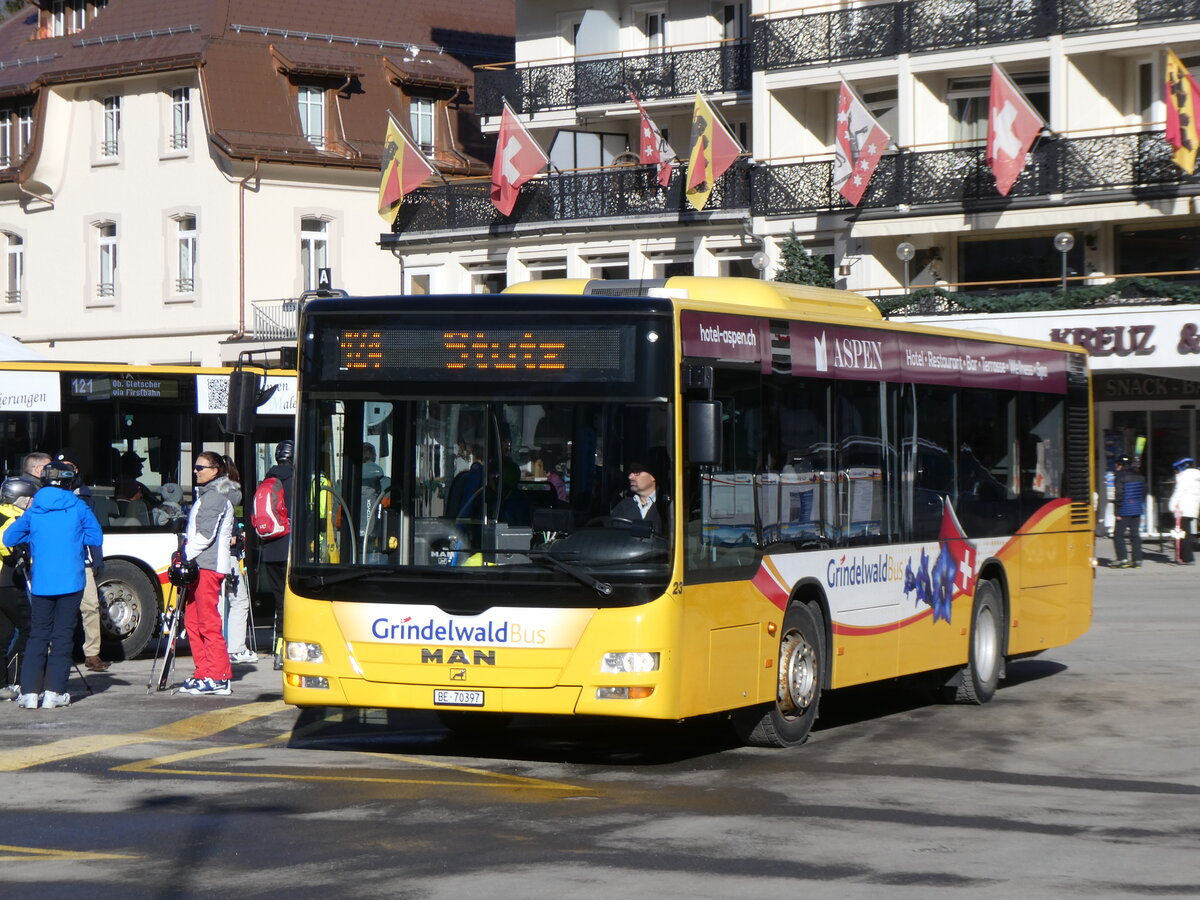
(110, 146)
(15, 270)
(181, 117)
(732, 17)
(6, 154)
(107, 258)
(653, 25)
(24, 130)
(311, 102)
(420, 117)
(968, 98)
(58, 18)
(78, 17)
(185, 257)
(314, 250)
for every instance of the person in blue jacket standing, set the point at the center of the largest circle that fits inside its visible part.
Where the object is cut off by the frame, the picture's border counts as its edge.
(59, 528)
(1130, 502)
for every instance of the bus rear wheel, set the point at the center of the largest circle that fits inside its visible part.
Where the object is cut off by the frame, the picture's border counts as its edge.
(985, 658)
(128, 608)
(787, 722)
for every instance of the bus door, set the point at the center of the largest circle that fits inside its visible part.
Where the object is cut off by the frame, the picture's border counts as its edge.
(864, 600)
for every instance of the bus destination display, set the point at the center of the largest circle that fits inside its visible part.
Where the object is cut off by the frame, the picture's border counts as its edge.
(591, 354)
(105, 387)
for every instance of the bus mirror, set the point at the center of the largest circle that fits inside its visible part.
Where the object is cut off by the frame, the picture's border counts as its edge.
(243, 401)
(704, 432)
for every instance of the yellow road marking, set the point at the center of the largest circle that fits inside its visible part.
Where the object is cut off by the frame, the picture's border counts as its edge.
(158, 766)
(9, 853)
(198, 726)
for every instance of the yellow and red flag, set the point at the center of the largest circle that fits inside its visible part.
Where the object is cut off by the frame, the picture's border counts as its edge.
(1183, 103)
(713, 151)
(402, 170)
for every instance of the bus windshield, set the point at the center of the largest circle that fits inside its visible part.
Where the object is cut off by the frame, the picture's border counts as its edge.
(411, 499)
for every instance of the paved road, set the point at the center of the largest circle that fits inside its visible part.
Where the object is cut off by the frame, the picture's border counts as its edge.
(1080, 780)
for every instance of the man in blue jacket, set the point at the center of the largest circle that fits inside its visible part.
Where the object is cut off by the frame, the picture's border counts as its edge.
(1129, 503)
(58, 528)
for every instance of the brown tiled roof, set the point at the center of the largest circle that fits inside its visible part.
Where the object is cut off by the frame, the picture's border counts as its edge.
(252, 52)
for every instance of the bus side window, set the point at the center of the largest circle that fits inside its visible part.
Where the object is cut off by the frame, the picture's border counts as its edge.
(988, 502)
(721, 529)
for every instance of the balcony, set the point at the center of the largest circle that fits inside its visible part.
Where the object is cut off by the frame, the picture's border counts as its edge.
(606, 81)
(917, 26)
(614, 195)
(1099, 168)
(1105, 167)
(276, 320)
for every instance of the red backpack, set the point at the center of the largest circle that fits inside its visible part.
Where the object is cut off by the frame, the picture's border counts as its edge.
(269, 515)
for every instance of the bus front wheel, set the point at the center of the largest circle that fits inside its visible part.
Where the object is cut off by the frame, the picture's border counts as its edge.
(985, 654)
(128, 608)
(787, 721)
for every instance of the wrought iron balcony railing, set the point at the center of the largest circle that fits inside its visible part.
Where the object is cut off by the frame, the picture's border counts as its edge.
(1106, 166)
(612, 193)
(605, 81)
(915, 26)
(1139, 162)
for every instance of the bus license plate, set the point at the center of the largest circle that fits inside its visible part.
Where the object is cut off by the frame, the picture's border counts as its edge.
(458, 698)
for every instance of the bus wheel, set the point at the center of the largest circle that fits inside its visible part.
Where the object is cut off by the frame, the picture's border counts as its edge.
(786, 722)
(128, 607)
(981, 676)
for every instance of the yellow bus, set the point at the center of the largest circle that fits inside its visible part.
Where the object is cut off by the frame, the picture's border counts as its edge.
(836, 499)
(135, 425)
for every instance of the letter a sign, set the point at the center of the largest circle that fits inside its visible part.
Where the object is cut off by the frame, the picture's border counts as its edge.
(324, 279)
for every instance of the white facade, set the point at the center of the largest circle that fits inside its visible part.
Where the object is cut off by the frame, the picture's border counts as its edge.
(86, 200)
(1099, 82)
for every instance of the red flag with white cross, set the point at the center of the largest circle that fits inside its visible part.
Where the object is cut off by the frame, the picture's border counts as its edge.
(1013, 124)
(518, 158)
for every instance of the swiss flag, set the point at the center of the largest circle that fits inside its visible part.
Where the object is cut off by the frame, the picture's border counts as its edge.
(954, 540)
(518, 158)
(652, 149)
(859, 142)
(1012, 126)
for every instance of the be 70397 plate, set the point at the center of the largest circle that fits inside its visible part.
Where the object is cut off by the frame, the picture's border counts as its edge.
(458, 698)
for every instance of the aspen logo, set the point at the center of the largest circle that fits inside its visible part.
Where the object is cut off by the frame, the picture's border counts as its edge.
(847, 353)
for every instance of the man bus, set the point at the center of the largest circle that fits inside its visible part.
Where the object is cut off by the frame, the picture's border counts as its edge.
(843, 500)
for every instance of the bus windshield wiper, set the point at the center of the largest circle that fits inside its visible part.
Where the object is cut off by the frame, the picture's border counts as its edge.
(580, 574)
(323, 581)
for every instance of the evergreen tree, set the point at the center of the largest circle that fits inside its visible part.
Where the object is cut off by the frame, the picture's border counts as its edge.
(798, 265)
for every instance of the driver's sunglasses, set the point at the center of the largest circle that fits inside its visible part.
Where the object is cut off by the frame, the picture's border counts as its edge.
(201, 468)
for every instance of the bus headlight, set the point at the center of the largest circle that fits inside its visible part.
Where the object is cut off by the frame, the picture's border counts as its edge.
(308, 681)
(629, 662)
(302, 651)
(623, 693)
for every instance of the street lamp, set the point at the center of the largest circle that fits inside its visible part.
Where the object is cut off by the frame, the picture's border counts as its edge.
(905, 252)
(1063, 242)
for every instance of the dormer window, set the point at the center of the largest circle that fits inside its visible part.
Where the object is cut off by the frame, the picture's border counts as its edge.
(421, 122)
(311, 103)
(63, 17)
